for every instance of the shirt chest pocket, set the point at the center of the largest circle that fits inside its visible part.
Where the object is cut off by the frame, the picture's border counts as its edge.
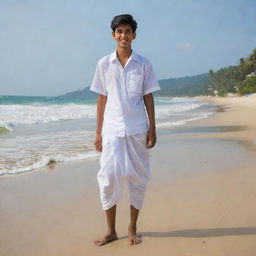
(135, 83)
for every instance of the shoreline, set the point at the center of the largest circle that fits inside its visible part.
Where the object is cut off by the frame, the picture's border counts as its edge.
(238, 113)
(200, 200)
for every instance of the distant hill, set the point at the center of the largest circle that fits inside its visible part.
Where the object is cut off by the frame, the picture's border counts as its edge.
(184, 86)
(84, 93)
(173, 87)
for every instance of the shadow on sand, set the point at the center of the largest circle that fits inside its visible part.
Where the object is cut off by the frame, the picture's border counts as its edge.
(197, 233)
(208, 232)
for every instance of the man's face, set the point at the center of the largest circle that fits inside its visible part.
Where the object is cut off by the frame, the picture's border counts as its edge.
(124, 36)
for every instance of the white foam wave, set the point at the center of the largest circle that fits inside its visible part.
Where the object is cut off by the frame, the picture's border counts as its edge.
(25, 151)
(14, 115)
(166, 110)
(168, 124)
(36, 113)
(32, 151)
(176, 99)
(45, 160)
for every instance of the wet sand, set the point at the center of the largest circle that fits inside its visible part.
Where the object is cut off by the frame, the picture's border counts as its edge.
(200, 201)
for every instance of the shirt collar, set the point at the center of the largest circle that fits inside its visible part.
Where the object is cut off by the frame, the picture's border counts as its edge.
(134, 56)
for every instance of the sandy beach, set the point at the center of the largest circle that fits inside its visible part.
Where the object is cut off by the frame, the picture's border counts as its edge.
(200, 201)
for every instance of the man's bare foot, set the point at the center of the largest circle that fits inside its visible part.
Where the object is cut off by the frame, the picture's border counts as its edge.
(108, 238)
(132, 236)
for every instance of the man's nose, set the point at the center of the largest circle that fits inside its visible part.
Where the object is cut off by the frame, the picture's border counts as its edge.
(123, 34)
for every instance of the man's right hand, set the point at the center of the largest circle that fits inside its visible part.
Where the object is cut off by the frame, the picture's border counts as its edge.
(98, 142)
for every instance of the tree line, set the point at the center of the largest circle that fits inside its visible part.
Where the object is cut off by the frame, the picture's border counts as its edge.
(235, 79)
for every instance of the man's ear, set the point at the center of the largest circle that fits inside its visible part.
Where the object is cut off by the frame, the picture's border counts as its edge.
(134, 35)
(113, 35)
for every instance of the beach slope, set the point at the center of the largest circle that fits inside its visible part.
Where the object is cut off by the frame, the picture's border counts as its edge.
(200, 201)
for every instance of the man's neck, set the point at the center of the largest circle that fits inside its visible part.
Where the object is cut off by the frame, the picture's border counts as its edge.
(123, 53)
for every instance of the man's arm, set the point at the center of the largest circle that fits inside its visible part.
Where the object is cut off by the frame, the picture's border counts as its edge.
(101, 103)
(151, 136)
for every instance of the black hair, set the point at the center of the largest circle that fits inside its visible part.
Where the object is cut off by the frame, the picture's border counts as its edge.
(123, 19)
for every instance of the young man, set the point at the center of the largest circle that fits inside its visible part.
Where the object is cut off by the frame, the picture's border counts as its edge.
(124, 81)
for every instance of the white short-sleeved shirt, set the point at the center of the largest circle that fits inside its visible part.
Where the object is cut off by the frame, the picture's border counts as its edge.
(125, 113)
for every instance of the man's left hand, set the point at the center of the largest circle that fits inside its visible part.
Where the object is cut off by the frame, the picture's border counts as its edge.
(151, 138)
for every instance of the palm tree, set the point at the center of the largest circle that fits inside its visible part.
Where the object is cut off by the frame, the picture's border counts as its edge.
(252, 60)
(241, 61)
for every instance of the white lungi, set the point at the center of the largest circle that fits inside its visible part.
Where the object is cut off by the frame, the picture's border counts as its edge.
(123, 159)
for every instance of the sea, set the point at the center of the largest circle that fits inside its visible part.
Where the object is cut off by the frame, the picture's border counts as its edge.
(36, 131)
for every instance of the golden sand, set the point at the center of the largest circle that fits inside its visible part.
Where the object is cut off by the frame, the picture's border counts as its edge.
(200, 201)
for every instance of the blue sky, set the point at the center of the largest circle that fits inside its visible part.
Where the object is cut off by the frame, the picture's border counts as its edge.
(51, 47)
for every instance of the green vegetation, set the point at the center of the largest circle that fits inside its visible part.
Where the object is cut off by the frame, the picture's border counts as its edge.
(248, 85)
(239, 79)
(235, 79)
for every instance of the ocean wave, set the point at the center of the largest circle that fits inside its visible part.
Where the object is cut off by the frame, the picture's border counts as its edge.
(37, 113)
(26, 152)
(29, 148)
(169, 100)
(166, 110)
(45, 161)
(168, 124)
(15, 115)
